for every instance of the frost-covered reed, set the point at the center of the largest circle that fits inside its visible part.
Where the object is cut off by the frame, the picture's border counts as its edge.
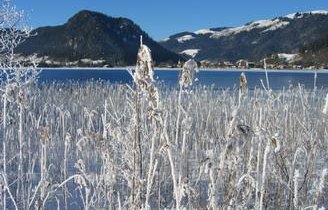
(97, 170)
(325, 108)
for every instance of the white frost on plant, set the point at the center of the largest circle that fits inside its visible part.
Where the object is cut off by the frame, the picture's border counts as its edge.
(210, 153)
(188, 71)
(11, 91)
(185, 38)
(277, 142)
(325, 108)
(296, 178)
(322, 180)
(190, 52)
(264, 174)
(144, 67)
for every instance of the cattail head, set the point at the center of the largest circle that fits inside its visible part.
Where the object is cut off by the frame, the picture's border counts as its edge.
(79, 180)
(153, 103)
(276, 142)
(188, 71)
(68, 139)
(325, 108)
(44, 134)
(11, 92)
(144, 78)
(243, 84)
(144, 69)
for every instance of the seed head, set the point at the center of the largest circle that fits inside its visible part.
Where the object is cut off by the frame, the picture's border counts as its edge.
(144, 72)
(243, 84)
(188, 71)
(144, 79)
(11, 91)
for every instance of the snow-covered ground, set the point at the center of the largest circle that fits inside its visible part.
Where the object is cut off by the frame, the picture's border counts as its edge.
(190, 52)
(300, 14)
(185, 38)
(204, 31)
(288, 57)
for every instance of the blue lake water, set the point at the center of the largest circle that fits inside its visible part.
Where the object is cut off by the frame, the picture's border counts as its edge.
(218, 78)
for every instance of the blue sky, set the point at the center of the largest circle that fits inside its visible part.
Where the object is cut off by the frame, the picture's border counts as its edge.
(163, 18)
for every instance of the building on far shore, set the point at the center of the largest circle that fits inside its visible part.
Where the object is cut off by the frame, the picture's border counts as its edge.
(242, 64)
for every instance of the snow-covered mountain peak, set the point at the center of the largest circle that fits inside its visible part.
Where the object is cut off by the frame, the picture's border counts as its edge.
(267, 25)
(301, 14)
(280, 36)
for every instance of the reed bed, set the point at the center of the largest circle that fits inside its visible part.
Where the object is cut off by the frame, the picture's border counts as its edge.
(209, 149)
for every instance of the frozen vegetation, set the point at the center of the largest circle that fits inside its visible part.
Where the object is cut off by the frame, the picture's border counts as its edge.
(97, 145)
(197, 149)
(107, 146)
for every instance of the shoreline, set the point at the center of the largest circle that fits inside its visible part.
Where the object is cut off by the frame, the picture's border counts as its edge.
(178, 69)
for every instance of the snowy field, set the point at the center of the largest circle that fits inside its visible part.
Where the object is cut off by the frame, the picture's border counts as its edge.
(80, 146)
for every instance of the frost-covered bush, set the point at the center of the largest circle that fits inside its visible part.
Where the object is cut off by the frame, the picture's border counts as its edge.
(16, 74)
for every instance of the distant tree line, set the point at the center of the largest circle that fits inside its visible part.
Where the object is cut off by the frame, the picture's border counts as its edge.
(317, 45)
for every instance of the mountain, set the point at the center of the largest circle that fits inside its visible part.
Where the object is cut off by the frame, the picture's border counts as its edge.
(315, 54)
(252, 41)
(92, 39)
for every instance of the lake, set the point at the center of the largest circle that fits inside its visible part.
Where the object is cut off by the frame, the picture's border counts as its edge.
(218, 78)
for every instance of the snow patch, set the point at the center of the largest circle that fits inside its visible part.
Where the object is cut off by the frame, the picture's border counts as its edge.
(190, 52)
(268, 25)
(277, 26)
(165, 39)
(185, 38)
(319, 12)
(204, 31)
(287, 57)
(291, 16)
(90, 61)
(301, 14)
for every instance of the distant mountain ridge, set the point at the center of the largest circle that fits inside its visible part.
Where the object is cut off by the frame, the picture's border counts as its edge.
(252, 41)
(92, 39)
